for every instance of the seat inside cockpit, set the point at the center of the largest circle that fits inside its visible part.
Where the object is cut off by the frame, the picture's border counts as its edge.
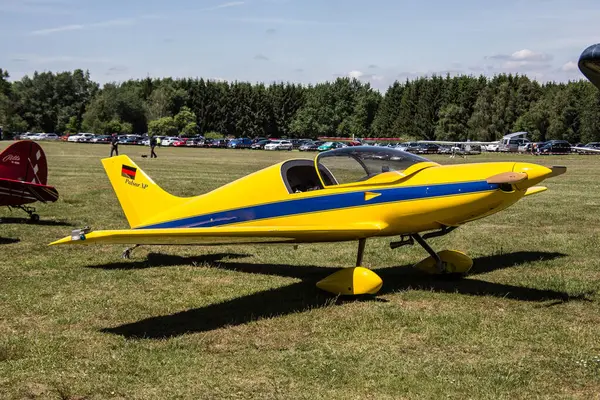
(301, 176)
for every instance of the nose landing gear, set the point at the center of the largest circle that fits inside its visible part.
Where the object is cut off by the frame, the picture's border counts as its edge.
(443, 262)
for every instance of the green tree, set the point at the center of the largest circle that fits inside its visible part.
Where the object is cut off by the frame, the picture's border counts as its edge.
(73, 126)
(184, 118)
(451, 124)
(165, 126)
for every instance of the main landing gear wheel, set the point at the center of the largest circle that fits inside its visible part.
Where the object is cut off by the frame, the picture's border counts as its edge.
(33, 217)
(452, 262)
(444, 262)
(352, 281)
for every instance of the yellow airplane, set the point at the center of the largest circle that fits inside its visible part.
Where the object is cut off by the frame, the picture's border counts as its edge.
(345, 194)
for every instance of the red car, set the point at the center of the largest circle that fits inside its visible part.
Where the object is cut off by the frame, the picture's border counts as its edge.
(181, 142)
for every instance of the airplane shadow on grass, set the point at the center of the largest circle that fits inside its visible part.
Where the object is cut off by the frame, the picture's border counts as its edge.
(15, 220)
(8, 240)
(303, 296)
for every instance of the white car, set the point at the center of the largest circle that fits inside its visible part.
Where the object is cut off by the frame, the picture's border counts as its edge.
(81, 137)
(34, 136)
(492, 147)
(47, 136)
(279, 145)
(169, 140)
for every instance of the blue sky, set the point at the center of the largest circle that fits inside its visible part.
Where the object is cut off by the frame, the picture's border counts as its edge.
(304, 41)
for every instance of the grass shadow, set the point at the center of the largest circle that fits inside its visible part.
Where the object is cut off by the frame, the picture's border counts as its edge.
(8, 240)
(303, 296)
(17, 220)
(154, 260)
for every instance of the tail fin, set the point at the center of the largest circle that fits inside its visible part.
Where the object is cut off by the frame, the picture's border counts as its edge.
(24, 161)
(141, 199)
(589, 64)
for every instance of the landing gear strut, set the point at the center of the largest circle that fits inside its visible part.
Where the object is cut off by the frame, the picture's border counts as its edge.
(33, 217)
(438, 261)
(127, 252)
(443, 262)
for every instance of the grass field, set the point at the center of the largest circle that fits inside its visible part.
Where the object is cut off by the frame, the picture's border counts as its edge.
(247, 322)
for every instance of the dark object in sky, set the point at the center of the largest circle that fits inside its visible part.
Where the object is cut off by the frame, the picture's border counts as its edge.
(589, 64)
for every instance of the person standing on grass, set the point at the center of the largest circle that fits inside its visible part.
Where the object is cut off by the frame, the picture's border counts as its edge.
(114, 144)
(152, 146)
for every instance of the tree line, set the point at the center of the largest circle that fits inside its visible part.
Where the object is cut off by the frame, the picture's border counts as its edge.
(428, 108)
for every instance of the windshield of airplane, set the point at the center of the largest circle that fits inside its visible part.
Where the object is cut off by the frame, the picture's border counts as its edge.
(359, 163)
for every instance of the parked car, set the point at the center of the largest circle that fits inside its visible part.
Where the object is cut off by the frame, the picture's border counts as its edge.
(24, 136)
(310, 146)
(218, 143)
(240, 143)
(330, 145)
(260, 145)
(512, 145)
(427, 148)
(279, 145)
(81, 137)
(555, 146)
(45, 136)
(495, 147)
(129, 140)
(181, 142)
(100, 139)
(408, 146)
(169, 140)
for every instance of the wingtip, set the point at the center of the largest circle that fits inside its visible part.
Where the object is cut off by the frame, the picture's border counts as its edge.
(64, 240)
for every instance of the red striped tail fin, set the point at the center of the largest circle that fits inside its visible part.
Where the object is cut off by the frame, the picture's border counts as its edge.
(24, 161)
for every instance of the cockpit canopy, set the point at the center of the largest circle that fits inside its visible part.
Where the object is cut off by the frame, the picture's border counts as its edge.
(344, 166)
(359, 163)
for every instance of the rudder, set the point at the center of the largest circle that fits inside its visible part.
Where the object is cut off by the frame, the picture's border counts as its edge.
(141, 199)
(24, 161)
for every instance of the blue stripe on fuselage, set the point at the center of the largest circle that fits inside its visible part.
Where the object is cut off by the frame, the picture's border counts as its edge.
(323, 203)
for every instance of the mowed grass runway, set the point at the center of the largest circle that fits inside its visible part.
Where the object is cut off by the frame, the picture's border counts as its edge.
(248, 322)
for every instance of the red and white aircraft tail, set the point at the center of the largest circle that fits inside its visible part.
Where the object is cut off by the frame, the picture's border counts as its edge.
(24, 161)
(23, 176)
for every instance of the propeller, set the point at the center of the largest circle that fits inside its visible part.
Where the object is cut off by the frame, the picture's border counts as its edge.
(557, 170)
(507, 177)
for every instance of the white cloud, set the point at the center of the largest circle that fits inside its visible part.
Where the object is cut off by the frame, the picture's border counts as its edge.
(523, 56)
(102, 24)
(355, 74)
(528, 55)
(52, 7)
(280, 21)
(114, 22)
(63, 28)
(570, 66)
(37, 59)
(226, 5)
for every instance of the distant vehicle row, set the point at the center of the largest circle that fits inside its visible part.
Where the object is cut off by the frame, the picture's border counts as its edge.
(506, 145)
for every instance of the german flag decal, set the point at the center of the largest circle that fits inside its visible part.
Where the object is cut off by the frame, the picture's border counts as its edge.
(128, 172)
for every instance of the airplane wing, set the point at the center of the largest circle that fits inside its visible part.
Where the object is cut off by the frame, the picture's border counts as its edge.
(226, 235)
(14, 192)
(586, 149)
(448, 142)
